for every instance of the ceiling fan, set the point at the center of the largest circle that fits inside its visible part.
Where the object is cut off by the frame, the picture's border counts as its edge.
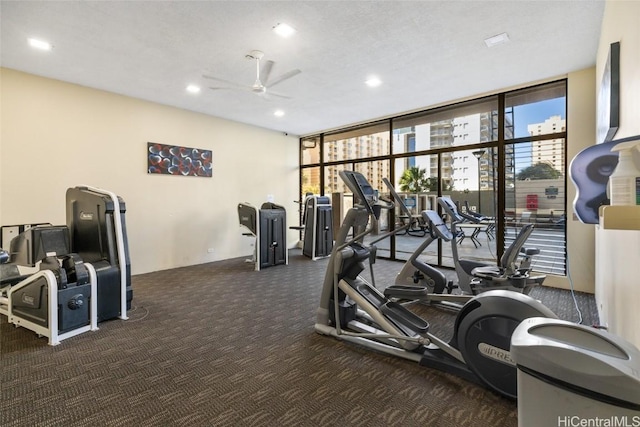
(262, 85)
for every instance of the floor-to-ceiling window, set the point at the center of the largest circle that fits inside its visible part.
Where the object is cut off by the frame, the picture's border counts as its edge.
(536, 171)
(501, 156)
(437, 154)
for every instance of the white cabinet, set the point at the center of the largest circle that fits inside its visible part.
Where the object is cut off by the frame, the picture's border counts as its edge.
(618, 271)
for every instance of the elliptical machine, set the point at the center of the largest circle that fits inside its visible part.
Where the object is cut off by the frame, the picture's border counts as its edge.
(353, 310)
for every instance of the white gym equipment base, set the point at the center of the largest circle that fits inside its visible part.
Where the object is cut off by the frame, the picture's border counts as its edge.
(51, 330)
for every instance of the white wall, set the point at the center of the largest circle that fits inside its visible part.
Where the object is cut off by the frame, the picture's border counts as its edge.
(621, 23)
(56, 135)
(617, 290)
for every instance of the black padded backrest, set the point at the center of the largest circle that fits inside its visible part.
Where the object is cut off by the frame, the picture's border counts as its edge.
(36, 243)
(248, 216)
(450, 208)
(511, 254)
(436, 225)
(476, 215)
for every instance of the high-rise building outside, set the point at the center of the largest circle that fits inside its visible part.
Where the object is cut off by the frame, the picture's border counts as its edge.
(460, 170)
(549, 151)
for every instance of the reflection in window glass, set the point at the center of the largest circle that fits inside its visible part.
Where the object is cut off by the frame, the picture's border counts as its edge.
(332, 181)
(374, 172)
(334, 184)
(455, 149)
(310, 185)
(536, 111)
(310, 181)
(371, 141)
(472, 190)
(469, 123)
(310, 149)
(418, 190)
(535, 194)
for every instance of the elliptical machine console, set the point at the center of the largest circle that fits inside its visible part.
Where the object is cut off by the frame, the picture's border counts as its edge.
(354, 310)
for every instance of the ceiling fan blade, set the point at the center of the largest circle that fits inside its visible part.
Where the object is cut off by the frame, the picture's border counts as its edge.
(269, 93)
(266, 71)
(238, 85)
(283, 77)
(235, 89)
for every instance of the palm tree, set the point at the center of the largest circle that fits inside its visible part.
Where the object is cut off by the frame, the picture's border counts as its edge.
(413, 180)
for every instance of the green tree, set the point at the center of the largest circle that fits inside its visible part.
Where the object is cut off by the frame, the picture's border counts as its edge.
(413, 180)
(433, 185)
(538, 171)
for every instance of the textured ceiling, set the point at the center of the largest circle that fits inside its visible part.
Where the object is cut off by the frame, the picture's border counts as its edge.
(425, 52)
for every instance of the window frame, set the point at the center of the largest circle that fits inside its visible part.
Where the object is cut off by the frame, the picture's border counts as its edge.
(503, 132)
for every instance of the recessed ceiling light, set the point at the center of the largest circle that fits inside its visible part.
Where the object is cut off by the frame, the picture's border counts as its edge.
(278, 113)
(40, 44)
(373, 82)
(497, 39)
(284, 30)
(193, 89)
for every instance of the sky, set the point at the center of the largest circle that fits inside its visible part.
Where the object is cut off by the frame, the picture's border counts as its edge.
(538, 112)
(527, 114)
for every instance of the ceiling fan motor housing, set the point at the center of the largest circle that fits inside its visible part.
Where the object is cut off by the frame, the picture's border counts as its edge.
(255, 54)
(258, 87)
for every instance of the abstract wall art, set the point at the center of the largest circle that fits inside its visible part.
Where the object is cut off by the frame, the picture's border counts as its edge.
(176, 160)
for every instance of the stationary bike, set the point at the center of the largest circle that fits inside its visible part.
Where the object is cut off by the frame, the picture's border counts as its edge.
(419, 280)
(354, 310)
(512, 273)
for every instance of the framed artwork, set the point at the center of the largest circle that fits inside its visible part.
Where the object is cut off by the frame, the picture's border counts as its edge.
(609, 97)
(176, 160)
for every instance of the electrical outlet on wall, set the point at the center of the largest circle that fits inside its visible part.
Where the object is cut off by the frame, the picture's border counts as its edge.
(210, 250)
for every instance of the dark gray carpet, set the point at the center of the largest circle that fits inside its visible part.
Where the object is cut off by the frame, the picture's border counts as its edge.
(222, 345)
